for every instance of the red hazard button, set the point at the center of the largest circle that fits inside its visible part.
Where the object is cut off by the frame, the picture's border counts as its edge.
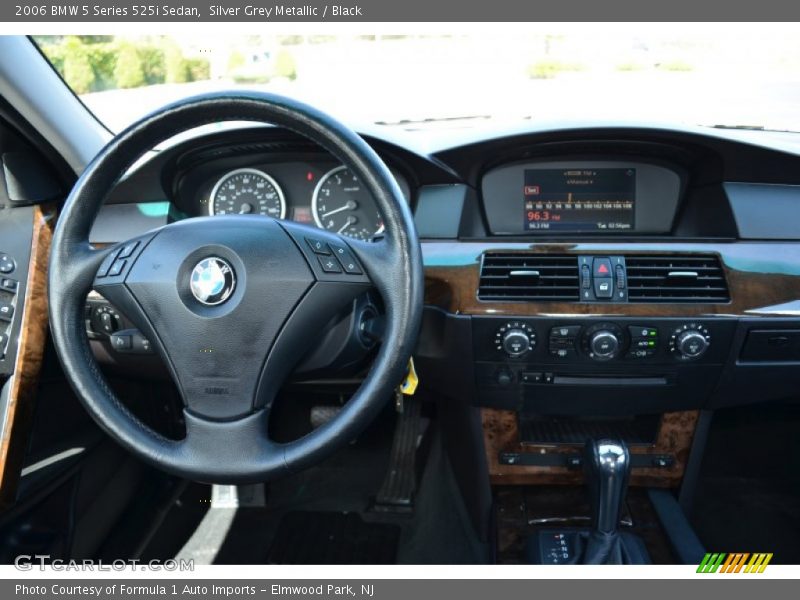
(602, 267)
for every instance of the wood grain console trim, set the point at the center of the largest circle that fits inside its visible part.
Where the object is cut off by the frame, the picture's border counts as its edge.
(501, 434)
(760, 275)
(33, 336)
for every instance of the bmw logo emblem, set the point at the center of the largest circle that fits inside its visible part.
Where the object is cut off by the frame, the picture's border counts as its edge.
(212, 281)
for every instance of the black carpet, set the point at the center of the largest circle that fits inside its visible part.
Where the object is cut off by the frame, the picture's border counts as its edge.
(333, 538)
(750, 515)
(748, 494)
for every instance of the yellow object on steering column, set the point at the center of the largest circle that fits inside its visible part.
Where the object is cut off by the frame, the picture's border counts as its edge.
(408, 387)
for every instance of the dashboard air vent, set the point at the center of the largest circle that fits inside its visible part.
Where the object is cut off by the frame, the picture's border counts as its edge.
(676, 278)
(535, 277)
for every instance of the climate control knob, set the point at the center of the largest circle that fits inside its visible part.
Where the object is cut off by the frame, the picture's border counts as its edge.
(689, 341)
(604, 345)
(516, 342)
(692, 344)
(604, 341)
(515, 339)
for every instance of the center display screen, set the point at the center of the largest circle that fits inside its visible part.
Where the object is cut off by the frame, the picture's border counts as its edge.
(579, 199)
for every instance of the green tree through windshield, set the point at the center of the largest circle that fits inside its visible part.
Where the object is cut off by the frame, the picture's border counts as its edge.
(716, 77)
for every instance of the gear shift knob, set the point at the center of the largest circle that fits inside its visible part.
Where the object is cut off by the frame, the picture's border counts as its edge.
(607, 466)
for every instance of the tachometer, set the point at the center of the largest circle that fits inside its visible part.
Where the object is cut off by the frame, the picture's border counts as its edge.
(342, 205)
(247, 191)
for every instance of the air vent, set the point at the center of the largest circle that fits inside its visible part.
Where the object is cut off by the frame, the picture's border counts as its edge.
(539, 277)
(680, 278)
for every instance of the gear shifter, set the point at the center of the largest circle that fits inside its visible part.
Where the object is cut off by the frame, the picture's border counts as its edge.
(607, 466)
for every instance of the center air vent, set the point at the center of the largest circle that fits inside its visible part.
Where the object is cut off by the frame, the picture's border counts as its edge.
(539, 277)
(676, 278)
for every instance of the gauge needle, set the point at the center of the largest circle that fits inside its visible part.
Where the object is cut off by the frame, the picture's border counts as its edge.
(351, 204)
(350, 221)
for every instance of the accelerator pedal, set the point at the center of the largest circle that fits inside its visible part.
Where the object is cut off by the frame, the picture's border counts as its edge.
(396, 493)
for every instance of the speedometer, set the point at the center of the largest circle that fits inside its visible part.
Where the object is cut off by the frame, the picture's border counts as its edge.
(247, 191)
(342, 205)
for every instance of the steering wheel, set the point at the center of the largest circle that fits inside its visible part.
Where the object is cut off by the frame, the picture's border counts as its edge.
(231, 303)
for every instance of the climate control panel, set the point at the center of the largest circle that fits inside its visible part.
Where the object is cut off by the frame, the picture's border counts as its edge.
(626, 340)
(590, 365)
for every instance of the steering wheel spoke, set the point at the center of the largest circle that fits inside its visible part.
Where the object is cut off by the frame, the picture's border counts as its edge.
(243, 445)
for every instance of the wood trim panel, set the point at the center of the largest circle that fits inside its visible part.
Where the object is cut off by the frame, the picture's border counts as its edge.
(501, 434)
(33, 336)
(761, 275)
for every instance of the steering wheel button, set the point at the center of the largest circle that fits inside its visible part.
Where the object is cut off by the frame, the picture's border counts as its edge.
(329, 264)
(317, 246)
(117, 268)
(6, 311)
(102, 271)
(351, 267)
(127, 250)
(346, 258)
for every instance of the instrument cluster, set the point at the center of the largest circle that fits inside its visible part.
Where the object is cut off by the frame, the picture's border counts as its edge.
(323, 193)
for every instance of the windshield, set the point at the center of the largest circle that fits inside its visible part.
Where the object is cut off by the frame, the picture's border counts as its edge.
(716, 75)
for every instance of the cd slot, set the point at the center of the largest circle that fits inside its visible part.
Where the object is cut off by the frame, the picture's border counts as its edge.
(595, 380)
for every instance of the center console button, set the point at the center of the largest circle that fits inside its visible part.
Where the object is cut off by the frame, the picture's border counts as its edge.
(532, 377)
(563, 352)
(603, 287)
(641, 353)
(602, 268)
(564, 331)
(642, 331)
(505, 377)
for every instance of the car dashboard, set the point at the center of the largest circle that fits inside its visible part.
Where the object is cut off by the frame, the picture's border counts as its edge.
(606, 280)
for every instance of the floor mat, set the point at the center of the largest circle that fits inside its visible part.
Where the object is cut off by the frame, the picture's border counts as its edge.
(332, 538)
(748, 494)
(750, 515)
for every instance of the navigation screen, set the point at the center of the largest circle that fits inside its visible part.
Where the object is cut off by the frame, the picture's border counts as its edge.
(579, 199)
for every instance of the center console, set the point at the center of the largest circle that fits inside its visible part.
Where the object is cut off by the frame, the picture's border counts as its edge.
(619, 365)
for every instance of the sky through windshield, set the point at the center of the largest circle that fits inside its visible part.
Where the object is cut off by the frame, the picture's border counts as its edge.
(714, 77)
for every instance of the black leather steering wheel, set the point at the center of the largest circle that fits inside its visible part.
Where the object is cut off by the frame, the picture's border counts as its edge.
(232, 302)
